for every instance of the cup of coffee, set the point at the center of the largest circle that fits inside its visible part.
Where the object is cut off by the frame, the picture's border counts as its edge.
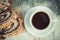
(40, 21)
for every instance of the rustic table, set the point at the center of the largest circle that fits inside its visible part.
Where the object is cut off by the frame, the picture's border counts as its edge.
(25, 5)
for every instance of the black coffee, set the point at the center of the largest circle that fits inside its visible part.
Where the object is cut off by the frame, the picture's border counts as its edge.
(40, 20)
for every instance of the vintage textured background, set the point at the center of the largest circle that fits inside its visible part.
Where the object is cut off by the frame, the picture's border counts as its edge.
(25, 5)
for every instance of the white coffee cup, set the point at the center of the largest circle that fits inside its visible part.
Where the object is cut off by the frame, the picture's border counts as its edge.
(34, 31)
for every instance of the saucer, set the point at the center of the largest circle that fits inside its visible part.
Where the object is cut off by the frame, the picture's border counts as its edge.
(34, 31)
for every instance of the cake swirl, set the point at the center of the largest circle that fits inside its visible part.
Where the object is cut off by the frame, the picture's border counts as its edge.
(4, 15)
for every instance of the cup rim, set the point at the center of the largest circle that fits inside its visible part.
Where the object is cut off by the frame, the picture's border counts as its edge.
(40, 10)
(32, 24)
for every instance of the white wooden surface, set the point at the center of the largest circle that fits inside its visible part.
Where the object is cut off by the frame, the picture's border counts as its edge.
(25, 5)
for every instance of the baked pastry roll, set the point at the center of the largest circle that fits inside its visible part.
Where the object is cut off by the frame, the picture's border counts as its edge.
(11, 24)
